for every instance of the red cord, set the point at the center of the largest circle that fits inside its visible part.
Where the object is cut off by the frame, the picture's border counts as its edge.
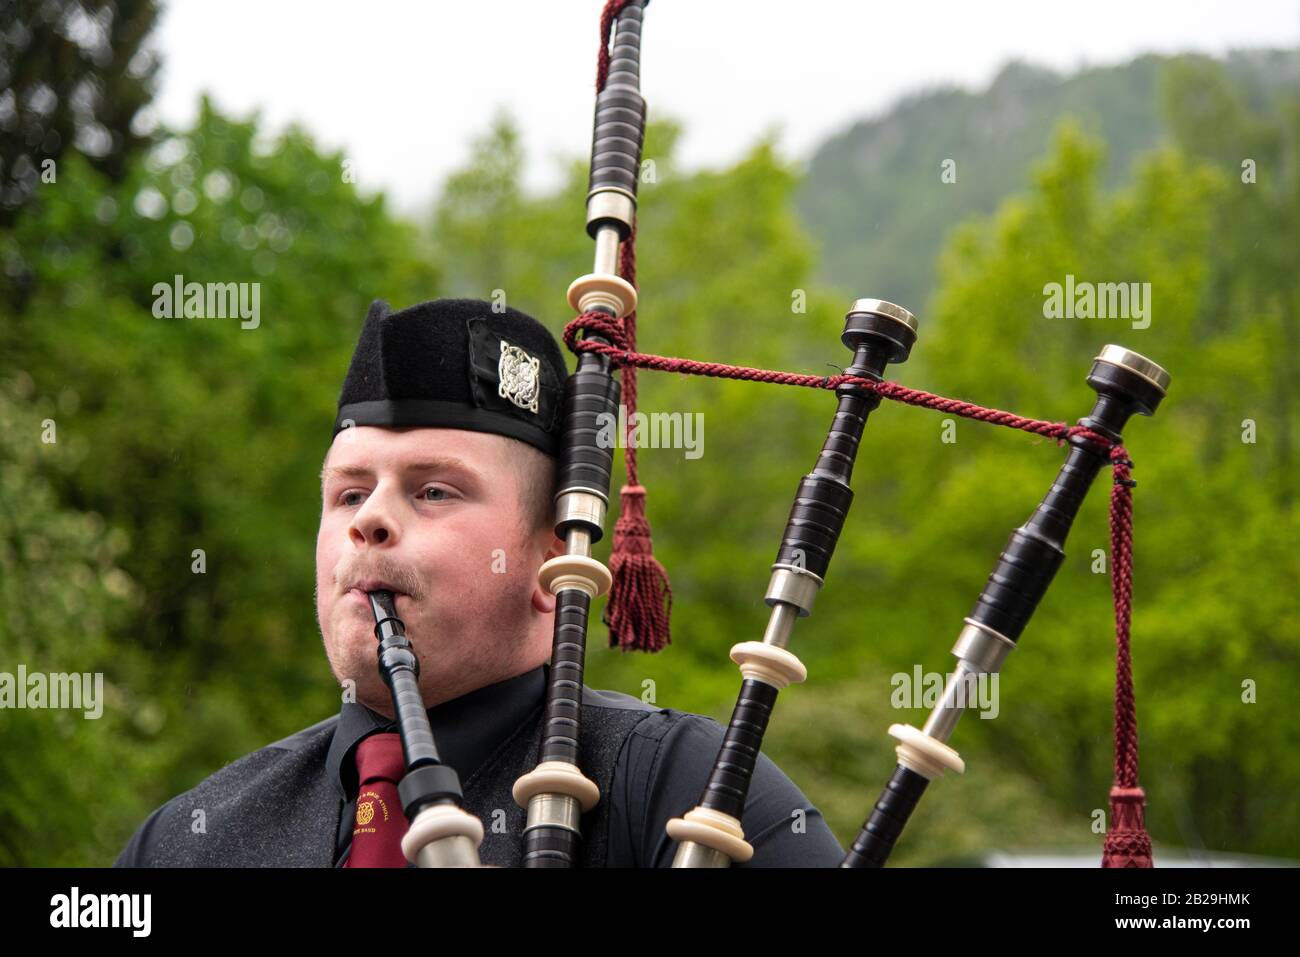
(1127, 843)
(640, 595)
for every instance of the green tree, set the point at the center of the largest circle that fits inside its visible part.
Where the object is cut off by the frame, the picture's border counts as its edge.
(200, 439)
(74, 74)
(1217, 579)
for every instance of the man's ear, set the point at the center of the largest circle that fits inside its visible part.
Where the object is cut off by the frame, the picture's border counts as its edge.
(544, 601)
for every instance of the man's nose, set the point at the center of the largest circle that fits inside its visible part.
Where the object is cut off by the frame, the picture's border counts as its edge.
(374, 523)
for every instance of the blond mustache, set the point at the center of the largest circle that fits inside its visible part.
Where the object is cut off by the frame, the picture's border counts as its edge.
(402, 578)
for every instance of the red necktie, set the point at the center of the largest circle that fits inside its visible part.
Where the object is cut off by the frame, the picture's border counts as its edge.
(380, 824)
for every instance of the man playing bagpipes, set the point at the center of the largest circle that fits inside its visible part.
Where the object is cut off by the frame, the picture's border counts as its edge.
(438, 488)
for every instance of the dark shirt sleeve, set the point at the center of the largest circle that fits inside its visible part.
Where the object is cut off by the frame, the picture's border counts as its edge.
(661, 774)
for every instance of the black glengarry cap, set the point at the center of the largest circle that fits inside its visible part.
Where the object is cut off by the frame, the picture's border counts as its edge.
(456, 364)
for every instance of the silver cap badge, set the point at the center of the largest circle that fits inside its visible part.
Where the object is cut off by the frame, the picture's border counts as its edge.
(519, 375)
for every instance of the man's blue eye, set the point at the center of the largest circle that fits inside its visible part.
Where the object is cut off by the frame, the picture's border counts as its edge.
(348, 495)
(434, 488)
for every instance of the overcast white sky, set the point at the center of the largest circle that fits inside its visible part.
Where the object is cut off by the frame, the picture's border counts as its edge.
(403, 87)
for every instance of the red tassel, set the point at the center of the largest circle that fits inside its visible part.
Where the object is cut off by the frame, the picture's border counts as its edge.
(640, 598)
(1127, 842)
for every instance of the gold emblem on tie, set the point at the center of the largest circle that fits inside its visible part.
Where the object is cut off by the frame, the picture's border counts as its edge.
(365, 812)
(519, 375)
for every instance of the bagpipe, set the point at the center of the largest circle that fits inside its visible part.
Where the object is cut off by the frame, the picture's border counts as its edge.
(556, 793)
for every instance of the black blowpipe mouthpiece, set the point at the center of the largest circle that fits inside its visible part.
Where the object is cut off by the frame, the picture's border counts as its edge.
(427, 779)
(382, 606)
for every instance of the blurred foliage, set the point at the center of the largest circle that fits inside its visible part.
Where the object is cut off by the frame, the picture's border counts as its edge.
(66, 604)
(196, 434)
(184, 434)
(74, 74)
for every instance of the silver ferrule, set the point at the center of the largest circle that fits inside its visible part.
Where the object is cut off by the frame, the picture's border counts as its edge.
(983, 647)
(580, 509)
(793, 585)
(554, 810)
(606, 204)
(454, 851)
(691, 854)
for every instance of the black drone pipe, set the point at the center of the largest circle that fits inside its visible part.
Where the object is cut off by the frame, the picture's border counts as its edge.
(1126, 383)
(556, 792)
(711, 835)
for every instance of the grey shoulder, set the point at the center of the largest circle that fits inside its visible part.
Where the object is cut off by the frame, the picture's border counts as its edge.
(661, 725)
(286, 759)
(307, 736)
(616, 700)
(310, 744)
(666, 718)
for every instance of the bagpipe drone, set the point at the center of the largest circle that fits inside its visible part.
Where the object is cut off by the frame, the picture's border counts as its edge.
(556, 793)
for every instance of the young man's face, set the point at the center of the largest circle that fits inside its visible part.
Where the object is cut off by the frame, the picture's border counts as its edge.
(437, 515)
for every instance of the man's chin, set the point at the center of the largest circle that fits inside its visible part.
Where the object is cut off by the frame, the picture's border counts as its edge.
(367, 687)
(352, 649)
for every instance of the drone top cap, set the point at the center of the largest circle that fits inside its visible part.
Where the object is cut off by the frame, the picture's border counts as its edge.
(1122, 372)
(880, 321)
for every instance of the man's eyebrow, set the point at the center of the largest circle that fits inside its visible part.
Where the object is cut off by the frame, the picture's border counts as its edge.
(437, 464)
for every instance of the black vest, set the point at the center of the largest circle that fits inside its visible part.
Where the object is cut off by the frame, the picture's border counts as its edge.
(277, 807)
